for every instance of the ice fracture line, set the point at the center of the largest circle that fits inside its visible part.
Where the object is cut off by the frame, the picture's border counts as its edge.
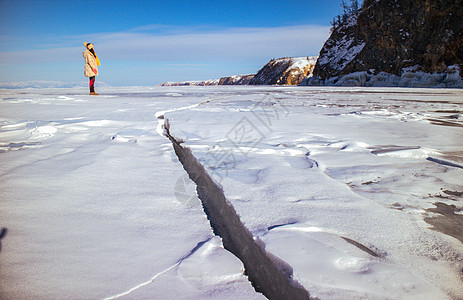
(144, 283)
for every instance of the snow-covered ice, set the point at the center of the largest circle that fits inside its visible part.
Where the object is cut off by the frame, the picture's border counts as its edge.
(409, 77)
(335, 181)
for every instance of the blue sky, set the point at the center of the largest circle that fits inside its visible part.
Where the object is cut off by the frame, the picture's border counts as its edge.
(149, 42)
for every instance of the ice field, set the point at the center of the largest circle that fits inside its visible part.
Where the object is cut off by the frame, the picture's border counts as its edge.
(359, 190)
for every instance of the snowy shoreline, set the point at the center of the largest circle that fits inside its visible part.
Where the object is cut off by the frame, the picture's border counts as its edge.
(410, 78)
(96, 203)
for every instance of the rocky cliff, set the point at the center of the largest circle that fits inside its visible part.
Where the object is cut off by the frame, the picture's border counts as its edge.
(285, 71)
(236, 80)
(396, 42)
(282, 71)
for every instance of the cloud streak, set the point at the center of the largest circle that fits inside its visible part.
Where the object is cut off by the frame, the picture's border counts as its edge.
(242, 44)
(235, 44)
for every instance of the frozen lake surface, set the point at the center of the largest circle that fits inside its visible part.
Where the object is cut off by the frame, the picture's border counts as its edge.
(344, 184)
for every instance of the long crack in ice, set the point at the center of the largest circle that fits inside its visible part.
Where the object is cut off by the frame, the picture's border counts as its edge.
(268, 274)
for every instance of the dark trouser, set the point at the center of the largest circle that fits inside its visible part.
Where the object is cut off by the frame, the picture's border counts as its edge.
(92, 84)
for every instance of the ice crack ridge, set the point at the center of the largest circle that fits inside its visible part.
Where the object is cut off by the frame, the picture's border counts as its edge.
(443, 162)
(268, 274)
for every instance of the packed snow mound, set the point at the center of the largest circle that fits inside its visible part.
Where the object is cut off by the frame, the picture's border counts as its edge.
(409, 78)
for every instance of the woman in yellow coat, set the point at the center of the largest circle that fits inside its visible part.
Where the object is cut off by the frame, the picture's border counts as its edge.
(91, 66)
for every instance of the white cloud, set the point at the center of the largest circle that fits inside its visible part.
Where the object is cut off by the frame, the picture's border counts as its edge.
(237, 44)
(161, 43)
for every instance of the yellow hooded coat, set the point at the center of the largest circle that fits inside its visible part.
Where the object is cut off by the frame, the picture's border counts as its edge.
(90, 64)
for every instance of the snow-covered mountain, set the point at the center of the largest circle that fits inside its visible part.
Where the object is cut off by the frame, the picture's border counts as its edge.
(395, 43)
(191, 83)
(282, 71)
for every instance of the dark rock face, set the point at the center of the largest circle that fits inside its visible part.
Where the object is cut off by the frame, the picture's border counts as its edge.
(339, 51)
(392, 35)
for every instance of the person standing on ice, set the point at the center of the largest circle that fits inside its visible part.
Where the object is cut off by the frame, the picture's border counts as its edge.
(91, 66)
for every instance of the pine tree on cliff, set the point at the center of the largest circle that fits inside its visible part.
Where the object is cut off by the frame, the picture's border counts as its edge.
(347, 11)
